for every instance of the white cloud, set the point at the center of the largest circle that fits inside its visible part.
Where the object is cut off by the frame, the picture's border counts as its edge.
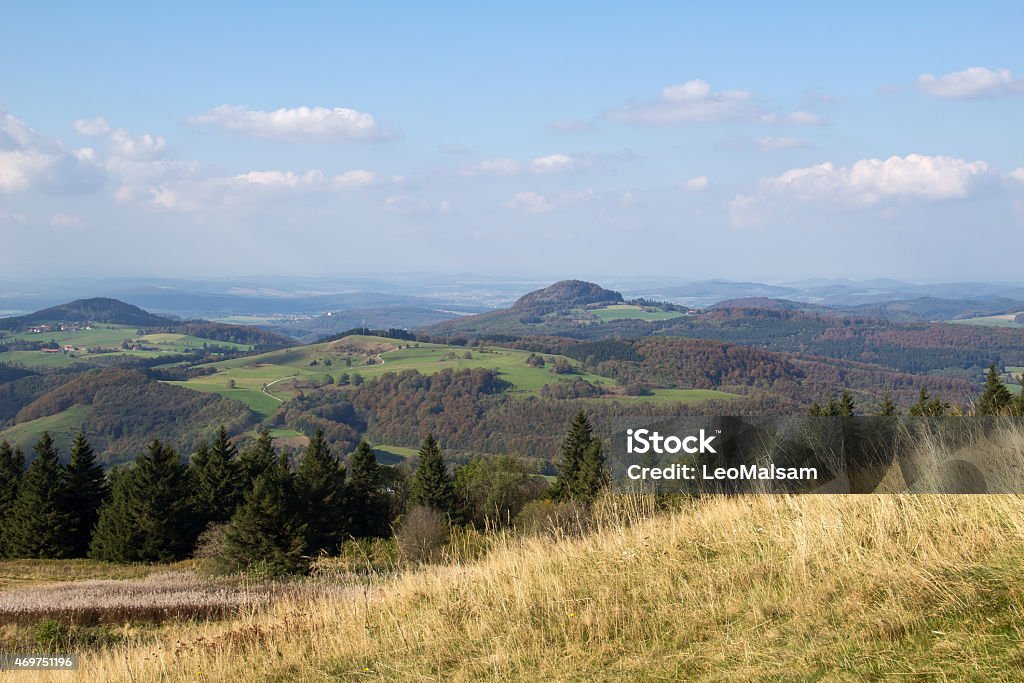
(866, 183)
(973, 83)
(67, 220)
(530, 202)
(298, 122)
(772, 144)
(91, 127)
(28, 161)
(1018, 175)
(696, 102)
(361, 178)
(698, 184)
(553, 163)
(493, 167)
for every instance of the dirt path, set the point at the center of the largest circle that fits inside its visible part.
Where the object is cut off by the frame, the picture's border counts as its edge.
(270, 384)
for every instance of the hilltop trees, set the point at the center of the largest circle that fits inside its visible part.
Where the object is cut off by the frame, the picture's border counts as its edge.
(368, 508)
(149, 517)
(39, 523)
(927, 406)
(216, 480)
(320, 483)
(581, 468)
(267, 530)
(256, 459)
(86, 491)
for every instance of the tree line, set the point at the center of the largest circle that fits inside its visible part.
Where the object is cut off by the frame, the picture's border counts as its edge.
(266, 512)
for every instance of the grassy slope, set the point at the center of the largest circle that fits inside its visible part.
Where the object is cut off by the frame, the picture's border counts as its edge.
(251, 373)
(751, 588)
(63, 427)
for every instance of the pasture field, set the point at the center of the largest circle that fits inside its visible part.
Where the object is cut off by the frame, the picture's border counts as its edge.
(631, 312)
(315, 361)
(63, 427)
(1003, 320)
(392, 455)
(108, 338)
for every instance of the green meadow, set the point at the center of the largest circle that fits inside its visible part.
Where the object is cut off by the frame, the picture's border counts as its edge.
(263, 381)
(631, 312)
(63, 427)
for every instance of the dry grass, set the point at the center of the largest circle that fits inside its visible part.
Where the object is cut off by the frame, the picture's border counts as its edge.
(750, 588)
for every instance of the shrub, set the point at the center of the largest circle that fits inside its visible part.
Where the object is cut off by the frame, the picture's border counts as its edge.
(422, 534)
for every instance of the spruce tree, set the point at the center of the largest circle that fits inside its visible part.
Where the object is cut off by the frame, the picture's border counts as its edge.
(216, 480)
(321, 485)
(87, 488)
(432, 486)
(12, 467)
(592, 475)
(995, 399)
(39, 525)
(368, 509)
(887, 408)
(926, 406)
(149, 515)
(255, 459)
(579, 441)
(267, 530)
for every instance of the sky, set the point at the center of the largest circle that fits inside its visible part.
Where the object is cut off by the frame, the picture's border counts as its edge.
(752, 141)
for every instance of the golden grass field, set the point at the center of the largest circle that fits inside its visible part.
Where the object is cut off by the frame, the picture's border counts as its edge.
(907, 587)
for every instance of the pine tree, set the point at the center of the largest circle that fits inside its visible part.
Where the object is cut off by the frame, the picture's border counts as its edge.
(149, 516)
(368, 509)
(321, 485)
(255, 459)
(87, 489)
(432, 485)
(592, 475)
(995, 399)
(926, 406)
(216, 480)
(267, 530)
(887, 408)
(1020, 398)
(39, 525)
(12, 467)
(573, 479)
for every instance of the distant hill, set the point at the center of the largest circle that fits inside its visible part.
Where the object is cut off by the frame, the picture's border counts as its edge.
(567, 294)
(97, 310)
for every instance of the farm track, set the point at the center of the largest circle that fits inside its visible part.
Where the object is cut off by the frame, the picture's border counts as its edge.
(270, 384)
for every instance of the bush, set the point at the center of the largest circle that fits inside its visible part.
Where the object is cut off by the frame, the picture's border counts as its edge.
(422, 534)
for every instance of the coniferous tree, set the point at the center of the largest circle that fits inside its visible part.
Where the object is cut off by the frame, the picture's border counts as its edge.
(321, 485)
(887, 408)
(12, 467)
(149, 515)
(216, 481)
(575, 475)
(995, 399)
(592, 475)
(1020, 398)
(926, 406)
(39, 524)
(255, 459)
(87, 489)
(368, 509)
(432, 485)
(267, 529)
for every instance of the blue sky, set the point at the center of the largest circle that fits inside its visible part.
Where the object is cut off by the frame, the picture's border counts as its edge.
(746, 141)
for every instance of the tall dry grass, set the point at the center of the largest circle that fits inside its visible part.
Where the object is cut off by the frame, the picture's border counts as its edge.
(744, 588)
